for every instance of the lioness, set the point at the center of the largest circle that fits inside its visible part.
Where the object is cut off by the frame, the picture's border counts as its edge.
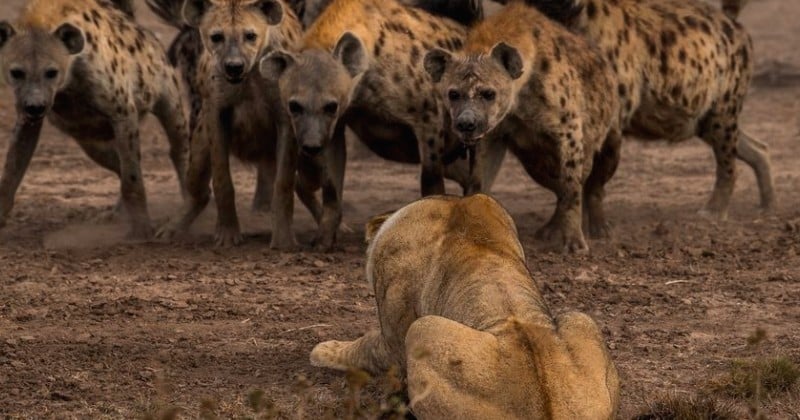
(460, 313)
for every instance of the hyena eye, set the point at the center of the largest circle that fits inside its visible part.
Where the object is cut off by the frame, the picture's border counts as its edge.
(51, 74)
(250, 36)
(330, 108)
(453, 95)
(17, 74)
(488, 95)
(295, 108)
(217, 38)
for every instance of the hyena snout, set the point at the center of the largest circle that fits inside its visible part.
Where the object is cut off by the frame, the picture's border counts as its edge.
(234, 68)
(312, 135)
(34, 104)
(35, 111)
(469, 125)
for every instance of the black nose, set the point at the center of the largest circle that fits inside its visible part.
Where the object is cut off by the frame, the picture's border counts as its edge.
(234, 68)
(312, 150)
(466, 125)
(35, 111)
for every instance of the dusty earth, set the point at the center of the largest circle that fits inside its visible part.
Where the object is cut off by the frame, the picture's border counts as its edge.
(92, 326)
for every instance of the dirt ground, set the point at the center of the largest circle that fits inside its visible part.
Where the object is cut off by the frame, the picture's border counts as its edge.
(91, 326)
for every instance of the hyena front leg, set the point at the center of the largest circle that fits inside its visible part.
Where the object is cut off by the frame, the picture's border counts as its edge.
(565, 226)
(20, 151)
(332, 185)
(126, 142)
(228, 232)
(283, 193)
(430, 140)
(169, 111)
(265, 180)
(198, 176)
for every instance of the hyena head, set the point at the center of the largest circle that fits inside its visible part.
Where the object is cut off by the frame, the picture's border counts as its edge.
(36, 64)
(478, 89)
(316, 87)
(234, 32)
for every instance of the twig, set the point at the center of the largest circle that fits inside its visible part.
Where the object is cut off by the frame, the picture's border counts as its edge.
(676, 282)
(308, 327)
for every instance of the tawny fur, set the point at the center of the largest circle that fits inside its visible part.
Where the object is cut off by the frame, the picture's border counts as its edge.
(462, 317)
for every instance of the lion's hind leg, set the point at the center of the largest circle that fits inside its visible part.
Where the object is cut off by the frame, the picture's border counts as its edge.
(369, 353)
(453, 371)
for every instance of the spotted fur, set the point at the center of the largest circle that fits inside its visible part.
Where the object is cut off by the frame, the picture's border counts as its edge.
(88, 67)
(684, 69)
(523, 77)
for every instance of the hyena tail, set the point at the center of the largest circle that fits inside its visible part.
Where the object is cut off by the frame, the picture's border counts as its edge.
(733, 7)
(171, 11)
(124, 5)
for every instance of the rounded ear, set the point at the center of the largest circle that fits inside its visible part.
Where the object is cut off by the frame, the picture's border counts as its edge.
(271, 9)
(509, 58)
(194, 10)
(436, 61)
(6, 32)
(375, 224)
(275, 63)
(350, 52)
(71, 37)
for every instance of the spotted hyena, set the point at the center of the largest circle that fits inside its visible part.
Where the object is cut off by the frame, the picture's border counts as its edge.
(684, 68)
(525, 77)
(360, 66)
(239, 114)
(89, 68)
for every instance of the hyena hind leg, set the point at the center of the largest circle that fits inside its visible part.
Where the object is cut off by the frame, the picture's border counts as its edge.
(755, 154)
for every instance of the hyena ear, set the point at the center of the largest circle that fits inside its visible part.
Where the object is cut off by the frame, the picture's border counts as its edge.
(374, 225)
(275, 63)
(509, 58)
(350, 52)
(271, 9)
(6, 32)
(194, 10)
(436, 61)
(71, 37)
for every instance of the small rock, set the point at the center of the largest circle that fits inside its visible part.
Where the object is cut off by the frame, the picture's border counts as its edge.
(60, 396)
(320, 263)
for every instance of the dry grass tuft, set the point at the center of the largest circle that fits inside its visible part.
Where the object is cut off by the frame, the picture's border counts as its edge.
(761, 378)
(684, 407)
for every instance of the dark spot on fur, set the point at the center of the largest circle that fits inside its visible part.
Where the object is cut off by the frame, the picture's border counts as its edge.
(415, 55)
(728, 30)
(545, 65)
(591, 10)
